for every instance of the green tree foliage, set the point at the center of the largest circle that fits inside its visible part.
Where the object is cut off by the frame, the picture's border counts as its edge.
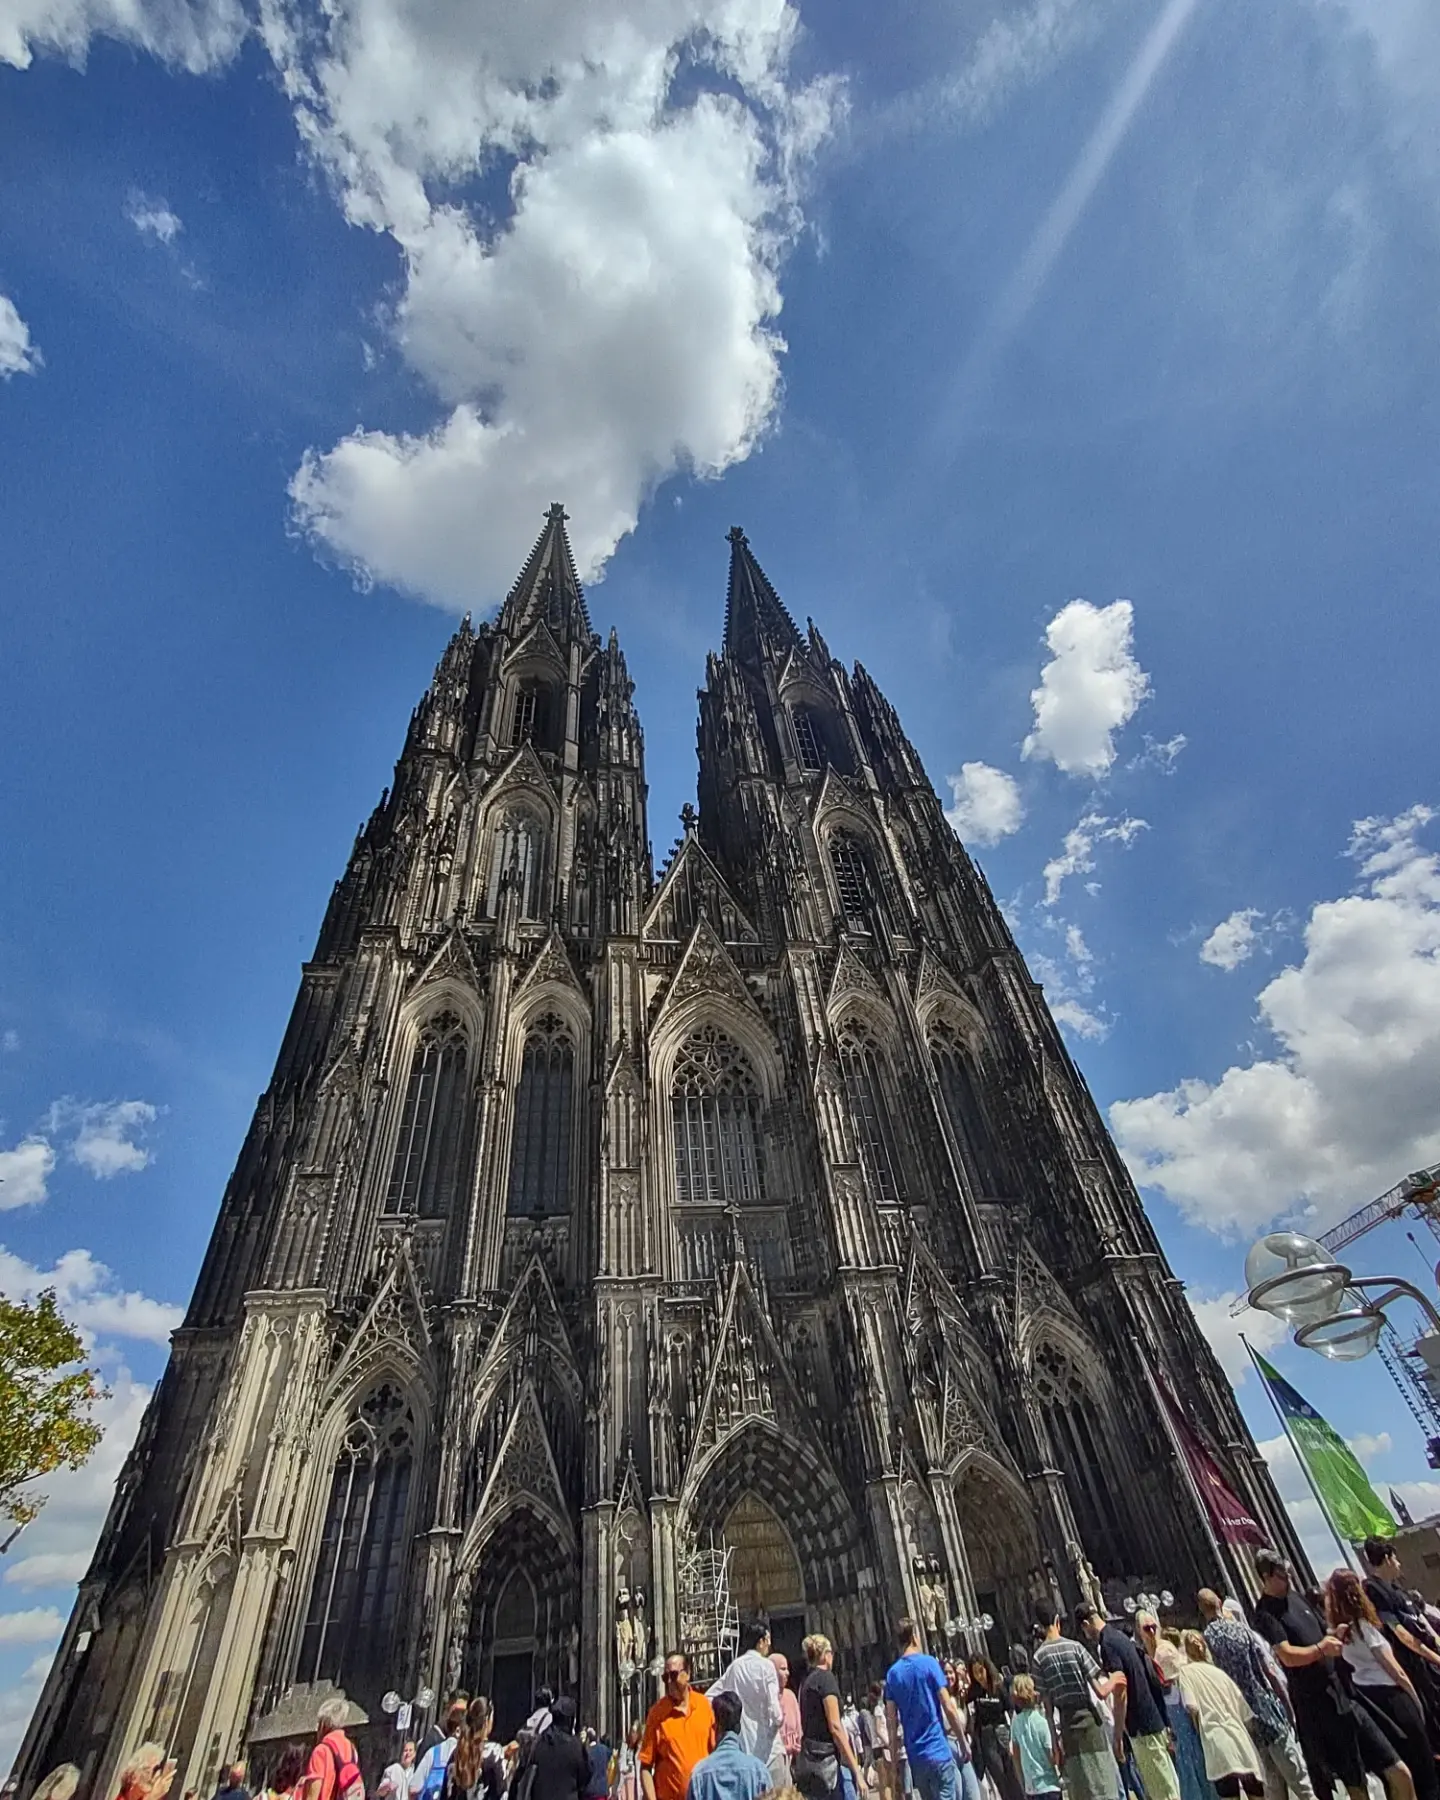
(47, 1395)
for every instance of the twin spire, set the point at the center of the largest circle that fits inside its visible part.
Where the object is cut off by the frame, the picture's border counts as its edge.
(547, 587)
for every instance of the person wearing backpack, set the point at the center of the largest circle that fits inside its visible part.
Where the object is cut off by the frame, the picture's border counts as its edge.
(558, 1768)
(333, 1772)
(476, 1770)
(427, 1780)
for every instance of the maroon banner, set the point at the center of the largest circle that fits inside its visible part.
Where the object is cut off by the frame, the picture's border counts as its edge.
(1233, 1522)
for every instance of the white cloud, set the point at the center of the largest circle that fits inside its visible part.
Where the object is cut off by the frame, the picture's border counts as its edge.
(1068, 991)
(36, 1625)
(104, 1134)
(152, 218)
(86, 1292)
(1091, 687)
(1368, 1445)
(24, 1172)
(9, 1041)
(1233, 940)
(987, 804)
(1222, 1330)
(610, 319)
(1160, 756)
(49, 1568)
(1075, 946)
(19, 354)
(1351, 1099)
(1077, 853)
(193, 34)
(17, 1702)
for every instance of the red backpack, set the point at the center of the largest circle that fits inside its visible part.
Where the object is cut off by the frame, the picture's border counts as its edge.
(349, 1783)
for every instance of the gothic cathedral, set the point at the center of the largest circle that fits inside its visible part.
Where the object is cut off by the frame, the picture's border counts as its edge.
(612, 1253)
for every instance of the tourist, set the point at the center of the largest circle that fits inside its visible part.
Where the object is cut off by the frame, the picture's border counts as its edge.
(627, 1766)
(1403, 1620)
(59, 1784)
(395, 1782)
(1168, 1658)
(334, 1768)
(752, 1676)
(827, 1760)
(434, 1732)
(677, 1733)
(730, 1771)
(1138, 1697)
(598, 1752)
(1032, 1743)
(1339, 1740)
(1376, 1673)
(540, 1717)
(1222, 1717)
(787, 1743)
(989, 1728)
(427, 1778)
(477, 1766)
(288, 1775)
(557, 1765)
(233, 1786)
(1071, 1683)
(918, 1702)
(147, 1775)
(1234, 1649)
(960, 1733)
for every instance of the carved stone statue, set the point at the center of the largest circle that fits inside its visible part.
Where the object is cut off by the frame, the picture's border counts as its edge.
(625, 1630)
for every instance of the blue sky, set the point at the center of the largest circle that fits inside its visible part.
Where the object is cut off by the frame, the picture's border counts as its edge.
(967, 313)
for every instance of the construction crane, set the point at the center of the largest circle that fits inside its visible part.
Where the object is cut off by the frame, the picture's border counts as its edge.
(1418, 1193)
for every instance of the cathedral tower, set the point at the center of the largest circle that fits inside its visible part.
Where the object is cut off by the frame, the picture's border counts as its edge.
(594, 1222)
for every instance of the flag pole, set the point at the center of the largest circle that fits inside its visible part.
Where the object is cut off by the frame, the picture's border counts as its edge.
(1347, 1550)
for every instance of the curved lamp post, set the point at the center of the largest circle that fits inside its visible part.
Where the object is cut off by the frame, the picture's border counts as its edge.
(1151, 1603)
(1332, 1311)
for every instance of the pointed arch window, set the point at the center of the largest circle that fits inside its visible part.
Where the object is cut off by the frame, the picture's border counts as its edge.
(530, 714)
(544, 1113)
(515, 863)
(715, 1113)
(1078, 1442)
(955, 1072)
(425, 1172)
(350, 1635)
(867, 1088)
(809, 739)
(851, 867)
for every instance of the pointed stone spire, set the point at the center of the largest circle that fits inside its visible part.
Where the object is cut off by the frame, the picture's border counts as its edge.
(548, 587)
(756, 622)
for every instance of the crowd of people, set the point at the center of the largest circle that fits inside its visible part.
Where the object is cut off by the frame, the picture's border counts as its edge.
(1309, 1694)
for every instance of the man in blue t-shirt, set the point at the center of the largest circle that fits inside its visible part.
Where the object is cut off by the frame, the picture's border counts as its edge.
(917, 1698)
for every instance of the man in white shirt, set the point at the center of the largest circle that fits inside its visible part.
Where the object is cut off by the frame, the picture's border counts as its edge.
(752, 1677)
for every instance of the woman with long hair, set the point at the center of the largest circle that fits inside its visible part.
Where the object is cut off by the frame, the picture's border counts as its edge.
(1163, 1649)
(289, 1772)
(990, 1730)
(1378, 1680)
(477, 1767)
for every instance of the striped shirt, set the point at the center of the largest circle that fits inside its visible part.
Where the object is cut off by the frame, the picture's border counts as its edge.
(1063, 1672)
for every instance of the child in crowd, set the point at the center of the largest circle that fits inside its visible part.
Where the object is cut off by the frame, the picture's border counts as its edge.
(1031, 1744)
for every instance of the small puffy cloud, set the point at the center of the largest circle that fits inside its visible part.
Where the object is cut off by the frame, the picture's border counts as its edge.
(152, 218)
(987, 804)
(196, 36)
(48, 1569)
(35, 1625)
(17, 1702)
(1160, 756)
(89, 1298)
(24, 1172)
(9, 1042)
(104, 1134)
(1222, 1330)
(1068, 990)
(19, 355)
(1368, 1445)
(1232, 942)
(1350, 1098)
(1091, 687)
(1077, 853)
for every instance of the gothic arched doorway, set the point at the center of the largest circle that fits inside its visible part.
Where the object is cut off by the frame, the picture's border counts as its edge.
(765, 1573)
(1001, 1547)
(523, 1625)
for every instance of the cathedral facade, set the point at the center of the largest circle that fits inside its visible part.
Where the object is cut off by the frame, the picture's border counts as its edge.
(614, 1252)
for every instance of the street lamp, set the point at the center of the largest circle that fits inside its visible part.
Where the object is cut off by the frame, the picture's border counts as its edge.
(1152, 1603)
(1332, 1311)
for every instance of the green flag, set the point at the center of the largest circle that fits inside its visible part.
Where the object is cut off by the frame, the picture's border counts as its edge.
(1356, 1510)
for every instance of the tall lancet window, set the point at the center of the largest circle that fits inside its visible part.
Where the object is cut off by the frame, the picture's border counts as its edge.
(425, 1172)
(715, 1114)
(515, 862)
(530, 714)
(852, 880)
(868, 1090)
(955, 1071)
(809, 738)
(351, 1636)
(544, 1113)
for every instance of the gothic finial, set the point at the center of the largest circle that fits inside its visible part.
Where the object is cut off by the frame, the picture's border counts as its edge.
(736, 536)
(689, 818)
(556, 513)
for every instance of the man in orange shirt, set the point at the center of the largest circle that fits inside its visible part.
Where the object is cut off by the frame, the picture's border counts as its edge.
(679, 1730)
